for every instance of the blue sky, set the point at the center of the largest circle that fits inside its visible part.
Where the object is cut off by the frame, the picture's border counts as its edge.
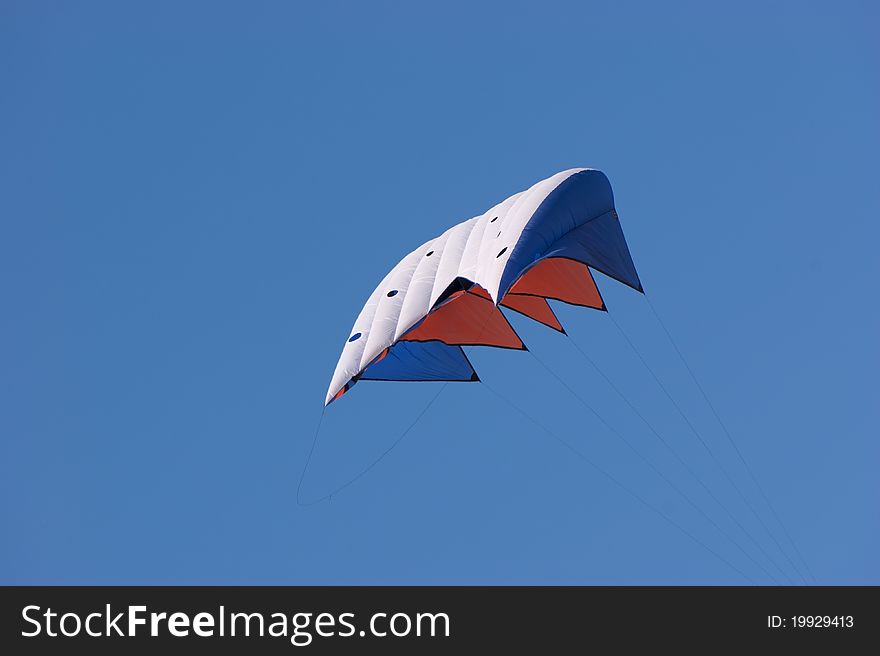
(197, 198)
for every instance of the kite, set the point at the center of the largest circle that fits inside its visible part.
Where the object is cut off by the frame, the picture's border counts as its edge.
(542, 243)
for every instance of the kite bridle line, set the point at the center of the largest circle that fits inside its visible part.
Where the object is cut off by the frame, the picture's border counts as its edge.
(366, 470)
(706, 447)
(667, 480)
(671, 450)
(618, 483)
(730, 439)
(699, 437)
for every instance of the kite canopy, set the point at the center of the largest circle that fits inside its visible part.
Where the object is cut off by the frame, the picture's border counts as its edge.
(536, 245)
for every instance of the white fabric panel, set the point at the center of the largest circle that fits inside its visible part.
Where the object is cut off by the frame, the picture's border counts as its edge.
(384, 324)
(468, 250)
(416, 304)
(450, 259)
(349, 361)
(467, 266)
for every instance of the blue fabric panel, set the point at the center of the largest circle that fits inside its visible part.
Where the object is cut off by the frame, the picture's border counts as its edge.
(421, 361)
(600, 244)
(561, 227)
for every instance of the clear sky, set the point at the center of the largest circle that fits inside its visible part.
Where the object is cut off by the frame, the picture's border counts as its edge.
(196, 198)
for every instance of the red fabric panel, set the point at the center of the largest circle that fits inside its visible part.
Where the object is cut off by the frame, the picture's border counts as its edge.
(561, 279)
(466, 319)
(533, 307)
(479, 291)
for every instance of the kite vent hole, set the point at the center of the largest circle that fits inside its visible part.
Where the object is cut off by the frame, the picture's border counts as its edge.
(498, 235)
(429, 253)
(494, 220)
(354, 337)
(393, 292)
(501, 252)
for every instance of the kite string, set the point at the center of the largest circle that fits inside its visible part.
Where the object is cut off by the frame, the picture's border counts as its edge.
(665, 478)
(706, 446)
(302, 476)
(618, 483)
(668, 446)
(728, 434)
(677, 456)
(369, 467)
